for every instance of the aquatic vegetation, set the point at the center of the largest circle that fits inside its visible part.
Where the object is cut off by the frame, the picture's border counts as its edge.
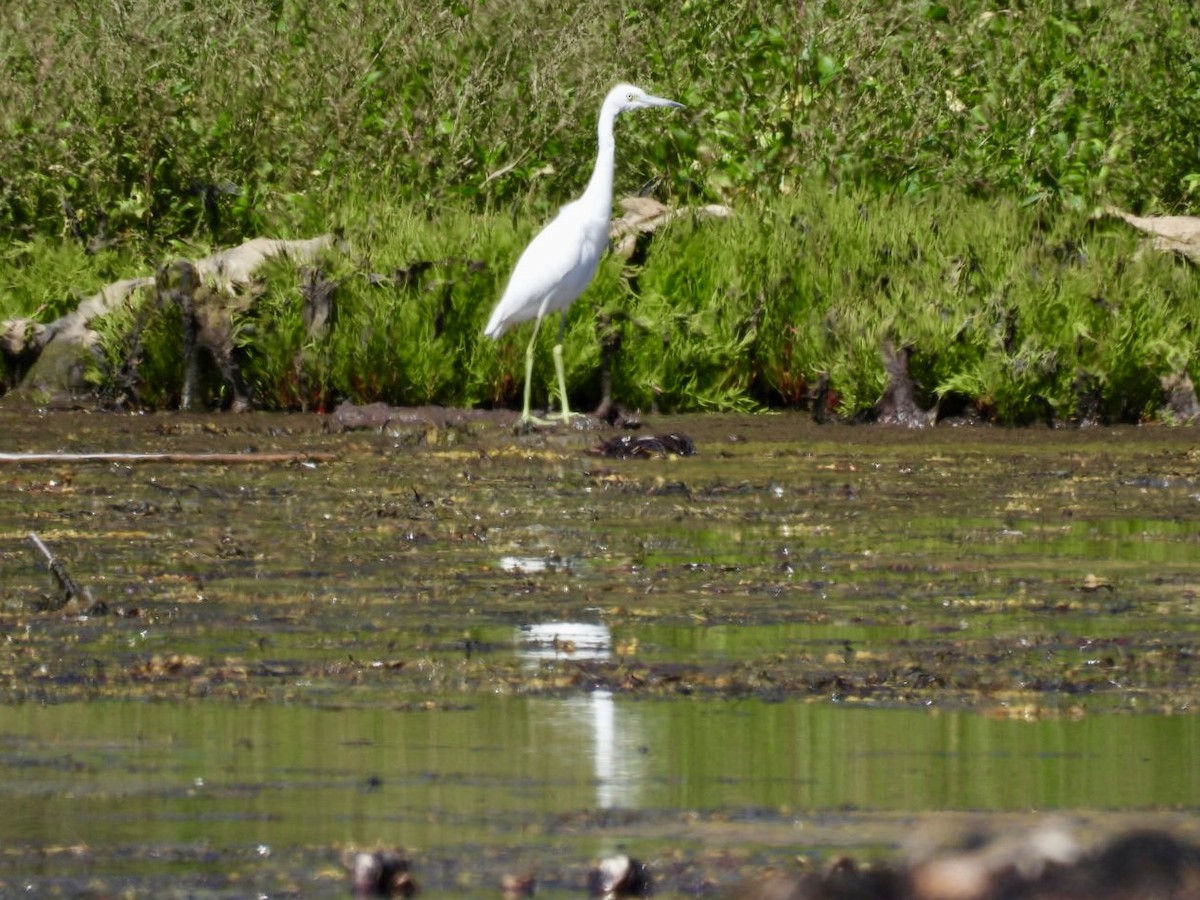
(1015, 582)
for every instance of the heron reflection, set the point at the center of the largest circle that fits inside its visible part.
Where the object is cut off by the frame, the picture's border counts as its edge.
(592, 715)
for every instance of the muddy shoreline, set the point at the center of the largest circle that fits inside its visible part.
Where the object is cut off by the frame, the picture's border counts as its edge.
(990, 602)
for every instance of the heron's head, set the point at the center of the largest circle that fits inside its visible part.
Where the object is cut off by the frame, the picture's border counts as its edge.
(627, 96)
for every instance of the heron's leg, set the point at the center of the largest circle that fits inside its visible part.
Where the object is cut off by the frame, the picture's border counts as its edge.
(526, 416)
(562, 382)
(558, 366)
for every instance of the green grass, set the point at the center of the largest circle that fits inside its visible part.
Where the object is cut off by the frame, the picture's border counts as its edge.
(168, 120)
(1010, 314)
(913, 174)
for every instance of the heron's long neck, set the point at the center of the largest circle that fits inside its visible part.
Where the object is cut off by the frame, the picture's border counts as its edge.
(600, 187)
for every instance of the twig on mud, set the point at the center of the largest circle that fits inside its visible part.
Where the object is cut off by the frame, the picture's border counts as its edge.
(219, 458)
(71, 589)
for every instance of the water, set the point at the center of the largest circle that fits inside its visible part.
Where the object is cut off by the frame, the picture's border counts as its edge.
(507, 654)
(536, 774)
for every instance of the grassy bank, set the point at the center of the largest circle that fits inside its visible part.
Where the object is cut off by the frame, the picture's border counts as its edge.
(912, 174)
(1008, 313)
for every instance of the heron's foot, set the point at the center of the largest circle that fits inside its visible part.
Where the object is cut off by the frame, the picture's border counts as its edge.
(568, 416)
(529, 422)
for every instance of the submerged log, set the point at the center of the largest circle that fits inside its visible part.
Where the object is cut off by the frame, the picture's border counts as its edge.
(53, 357)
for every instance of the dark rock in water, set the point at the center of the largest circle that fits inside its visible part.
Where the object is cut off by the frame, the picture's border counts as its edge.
(980, 865)
(1134, 866)
(619, 876)
(843, 879)
(513, 887)
(379, 873)
(628, 447)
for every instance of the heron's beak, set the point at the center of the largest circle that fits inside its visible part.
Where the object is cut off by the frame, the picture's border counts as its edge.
(662, 101)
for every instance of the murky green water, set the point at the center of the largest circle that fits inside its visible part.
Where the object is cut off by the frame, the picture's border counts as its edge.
(531, 779)
(506, 653)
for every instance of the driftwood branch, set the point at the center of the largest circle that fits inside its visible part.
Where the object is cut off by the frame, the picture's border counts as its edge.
(53, 356)
(1174, 234)
(71, 589)
(645, 215)
(218, 458)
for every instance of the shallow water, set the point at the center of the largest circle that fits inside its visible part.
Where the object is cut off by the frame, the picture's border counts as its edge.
(532, 778)
(505, 653)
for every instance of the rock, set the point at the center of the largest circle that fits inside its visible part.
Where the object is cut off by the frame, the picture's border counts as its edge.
(379, 873)
(627, 446)
(619, 876)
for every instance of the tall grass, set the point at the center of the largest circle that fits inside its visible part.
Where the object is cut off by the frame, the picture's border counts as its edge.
(164, 120)
(1007, 313)
(1003, 309)
(912, 174)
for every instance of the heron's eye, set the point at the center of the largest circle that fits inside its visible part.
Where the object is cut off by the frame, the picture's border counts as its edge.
(630, 96)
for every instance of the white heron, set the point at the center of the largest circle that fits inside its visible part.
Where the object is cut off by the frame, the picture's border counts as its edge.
(560, 262)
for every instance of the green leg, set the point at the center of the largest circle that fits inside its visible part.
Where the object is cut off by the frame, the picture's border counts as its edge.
(526, 416)
(558, 367)
(562, 382)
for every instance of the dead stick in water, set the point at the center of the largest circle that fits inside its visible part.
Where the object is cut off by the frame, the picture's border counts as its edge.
(219, 458)
(70, 587)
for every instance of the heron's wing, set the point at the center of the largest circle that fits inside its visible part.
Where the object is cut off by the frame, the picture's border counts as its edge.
(553, 270)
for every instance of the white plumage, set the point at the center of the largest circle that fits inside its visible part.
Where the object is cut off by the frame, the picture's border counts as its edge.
(561, 261)
(554, 269)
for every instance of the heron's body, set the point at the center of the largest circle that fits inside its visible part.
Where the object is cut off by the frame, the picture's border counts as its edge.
(561, 261)
(554, 270)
